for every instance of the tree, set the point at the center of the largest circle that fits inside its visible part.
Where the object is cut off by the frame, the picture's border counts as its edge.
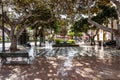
(39, 28)
(23, 13)
(105, 13)
(116, 32)
(83, 26)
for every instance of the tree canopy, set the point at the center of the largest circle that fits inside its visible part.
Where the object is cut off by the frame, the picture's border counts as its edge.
(25, 13)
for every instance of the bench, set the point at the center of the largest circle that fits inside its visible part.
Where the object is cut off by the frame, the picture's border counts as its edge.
(4, 56)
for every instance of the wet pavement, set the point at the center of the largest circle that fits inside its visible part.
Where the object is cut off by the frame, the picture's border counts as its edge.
(66, 63)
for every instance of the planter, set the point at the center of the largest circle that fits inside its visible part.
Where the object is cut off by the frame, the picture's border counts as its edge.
(65, 45)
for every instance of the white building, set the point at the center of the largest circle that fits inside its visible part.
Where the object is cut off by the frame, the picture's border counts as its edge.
(103, 35)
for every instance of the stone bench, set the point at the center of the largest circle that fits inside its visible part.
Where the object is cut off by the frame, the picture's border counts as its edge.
(4, 56)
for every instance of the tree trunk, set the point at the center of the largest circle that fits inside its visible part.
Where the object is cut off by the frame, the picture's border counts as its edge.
(92, 41)
(13, 46)
(35, 39)
(112, 28)
(113, 31)
(41, 40)
(43, 32)
(117, 42)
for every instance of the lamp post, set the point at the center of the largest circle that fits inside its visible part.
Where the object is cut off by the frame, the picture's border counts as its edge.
(2, 12)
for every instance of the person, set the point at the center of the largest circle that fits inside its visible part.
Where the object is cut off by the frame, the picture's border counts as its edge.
(28, 45)
(107, 43)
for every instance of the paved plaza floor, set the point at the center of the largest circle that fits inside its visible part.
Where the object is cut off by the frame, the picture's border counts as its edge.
(67, 63)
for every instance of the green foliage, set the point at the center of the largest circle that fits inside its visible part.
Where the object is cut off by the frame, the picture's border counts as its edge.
(81, 25)
(58, 41)
(42, 13)
(56, 28)
(74, 33)
(99, 18)
(71, 33)
(54, 25)
(78, 34)
(71, 41)
(61, 41)
(106, 12)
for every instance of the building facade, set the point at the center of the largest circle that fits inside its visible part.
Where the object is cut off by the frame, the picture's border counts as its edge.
(104, 35)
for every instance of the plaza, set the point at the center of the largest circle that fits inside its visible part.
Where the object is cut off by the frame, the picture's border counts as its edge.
(59, 40)
(66, 63)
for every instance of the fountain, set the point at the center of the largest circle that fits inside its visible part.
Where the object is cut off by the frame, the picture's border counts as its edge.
(102, 48)
(48, 45)
(68, 62)
(67, 65)
(101, 53)
(31, 51)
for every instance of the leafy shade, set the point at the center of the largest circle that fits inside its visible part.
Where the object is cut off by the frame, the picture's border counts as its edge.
(74, 34)
(107, 12)
(81, 25)
(41, 13)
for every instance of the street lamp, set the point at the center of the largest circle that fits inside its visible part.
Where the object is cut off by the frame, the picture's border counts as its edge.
(2, 12)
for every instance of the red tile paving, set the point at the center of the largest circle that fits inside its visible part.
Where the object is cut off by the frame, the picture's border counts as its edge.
(80, 68)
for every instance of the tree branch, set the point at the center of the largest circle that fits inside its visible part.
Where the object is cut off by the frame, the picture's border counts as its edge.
(22, 29)
(6, 30)
(100, 26)
(7, 19)
(22, 19)
(96, 32)
(88, 34)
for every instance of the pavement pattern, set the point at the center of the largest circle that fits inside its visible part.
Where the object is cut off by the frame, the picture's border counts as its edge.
(66, 63)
